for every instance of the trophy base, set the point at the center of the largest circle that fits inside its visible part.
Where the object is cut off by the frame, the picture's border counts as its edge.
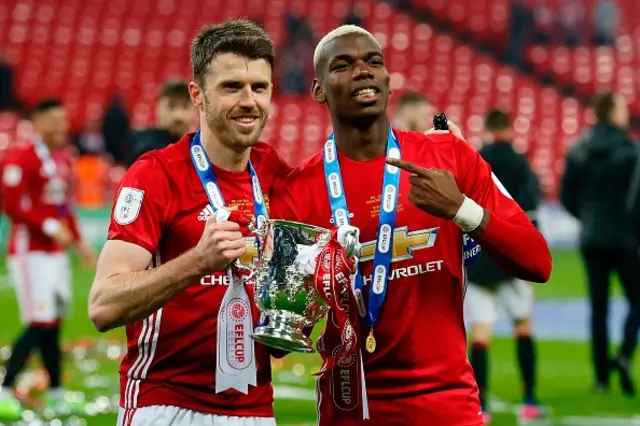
(279, 335)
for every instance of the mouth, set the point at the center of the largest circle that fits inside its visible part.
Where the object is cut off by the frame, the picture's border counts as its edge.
(246, 121)
(366, 94)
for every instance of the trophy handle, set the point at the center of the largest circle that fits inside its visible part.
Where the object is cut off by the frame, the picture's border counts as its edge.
(249, 272)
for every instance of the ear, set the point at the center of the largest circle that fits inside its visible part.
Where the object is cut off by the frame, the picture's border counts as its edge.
(196, 94)
(317, 93)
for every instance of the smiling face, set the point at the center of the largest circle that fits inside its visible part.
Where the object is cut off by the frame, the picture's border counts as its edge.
(236, 98)
(352, 78)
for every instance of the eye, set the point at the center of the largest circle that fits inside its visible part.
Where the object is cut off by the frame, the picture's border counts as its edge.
(260, 87)
(376, 62)
(232, 86)
(339, 66)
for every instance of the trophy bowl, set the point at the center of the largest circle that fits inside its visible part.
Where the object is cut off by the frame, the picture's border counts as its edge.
(283, 288)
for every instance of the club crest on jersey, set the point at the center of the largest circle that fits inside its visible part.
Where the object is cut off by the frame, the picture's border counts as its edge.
(128, 205)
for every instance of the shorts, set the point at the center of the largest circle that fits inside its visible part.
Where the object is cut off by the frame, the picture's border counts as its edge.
(43, 285)
(167, 415)
(514, 296)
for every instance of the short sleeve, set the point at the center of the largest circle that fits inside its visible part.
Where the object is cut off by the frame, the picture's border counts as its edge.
(477, 181)
(140, 208)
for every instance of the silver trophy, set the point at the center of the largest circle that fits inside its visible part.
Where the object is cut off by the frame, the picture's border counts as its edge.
(284, 289)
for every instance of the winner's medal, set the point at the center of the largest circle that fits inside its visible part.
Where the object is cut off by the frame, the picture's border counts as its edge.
(386, 225)
(370, 344)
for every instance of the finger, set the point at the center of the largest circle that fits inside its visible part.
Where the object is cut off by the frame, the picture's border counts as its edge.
(234, 253)
(231, 245)
(433, 131)
(455, 130)
(225, 226)
(228, 236)
(419, 182)
(405, 165)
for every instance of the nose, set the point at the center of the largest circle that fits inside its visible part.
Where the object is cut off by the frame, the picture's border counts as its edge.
(246, 97)
(361, 71)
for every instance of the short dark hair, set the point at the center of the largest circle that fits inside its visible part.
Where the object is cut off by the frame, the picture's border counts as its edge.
(497, 120)
(411, 98)
(238, 36)
(45, 105)
(176, 89)
(603, 104)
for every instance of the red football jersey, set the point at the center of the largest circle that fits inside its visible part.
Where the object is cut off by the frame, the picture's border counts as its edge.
(171, 355)
(419, 373)
(31, 194)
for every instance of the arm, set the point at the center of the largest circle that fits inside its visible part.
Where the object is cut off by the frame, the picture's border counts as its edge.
(571, 187)
(633, 198)
(505, 232)
(480, 205)
(124, 290)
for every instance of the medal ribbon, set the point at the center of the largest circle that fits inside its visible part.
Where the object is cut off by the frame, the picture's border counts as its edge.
(332, 281)
(386, 224)
(236, 365)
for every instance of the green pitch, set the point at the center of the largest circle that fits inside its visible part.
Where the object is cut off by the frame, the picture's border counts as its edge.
(564, 372)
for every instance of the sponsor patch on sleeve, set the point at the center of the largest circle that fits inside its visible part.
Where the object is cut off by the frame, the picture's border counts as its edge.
(12, 175)
(128, 205)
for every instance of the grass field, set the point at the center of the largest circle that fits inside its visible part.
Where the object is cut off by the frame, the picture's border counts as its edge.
(565, 376)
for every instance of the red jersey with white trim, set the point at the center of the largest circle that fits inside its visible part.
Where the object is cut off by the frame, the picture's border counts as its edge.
(419, 373)
(171, 355)
(31, 194)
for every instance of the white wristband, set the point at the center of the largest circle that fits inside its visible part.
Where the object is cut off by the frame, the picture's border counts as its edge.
(469, 215)
(50, 226)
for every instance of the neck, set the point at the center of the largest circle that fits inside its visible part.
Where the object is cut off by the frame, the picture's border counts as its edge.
(362, 142)
(221, 155)
(50, 145)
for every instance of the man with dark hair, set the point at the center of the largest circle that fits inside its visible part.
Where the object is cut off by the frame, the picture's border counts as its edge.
(175, 115)
(413, 112)
(595, 185)
(489, 285)
(406, 306)
(185, 210)
(36, 197)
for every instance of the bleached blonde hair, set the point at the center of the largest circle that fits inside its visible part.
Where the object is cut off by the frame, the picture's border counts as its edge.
(337, 33)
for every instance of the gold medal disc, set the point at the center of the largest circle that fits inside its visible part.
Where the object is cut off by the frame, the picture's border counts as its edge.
(370, 343)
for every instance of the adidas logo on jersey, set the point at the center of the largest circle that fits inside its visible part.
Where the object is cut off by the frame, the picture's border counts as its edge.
(205, 213)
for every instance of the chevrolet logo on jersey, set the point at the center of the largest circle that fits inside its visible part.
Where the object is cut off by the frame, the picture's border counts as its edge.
(404, 243)
(251, 256)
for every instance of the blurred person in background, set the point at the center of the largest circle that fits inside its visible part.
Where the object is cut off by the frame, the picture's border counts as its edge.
(115, 130)
(36, 198)
(594, 190)
(489, 285)
(175, 116)
(413, 113)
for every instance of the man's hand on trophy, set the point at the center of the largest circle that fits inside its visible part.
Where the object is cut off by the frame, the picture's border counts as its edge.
(220, 244)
